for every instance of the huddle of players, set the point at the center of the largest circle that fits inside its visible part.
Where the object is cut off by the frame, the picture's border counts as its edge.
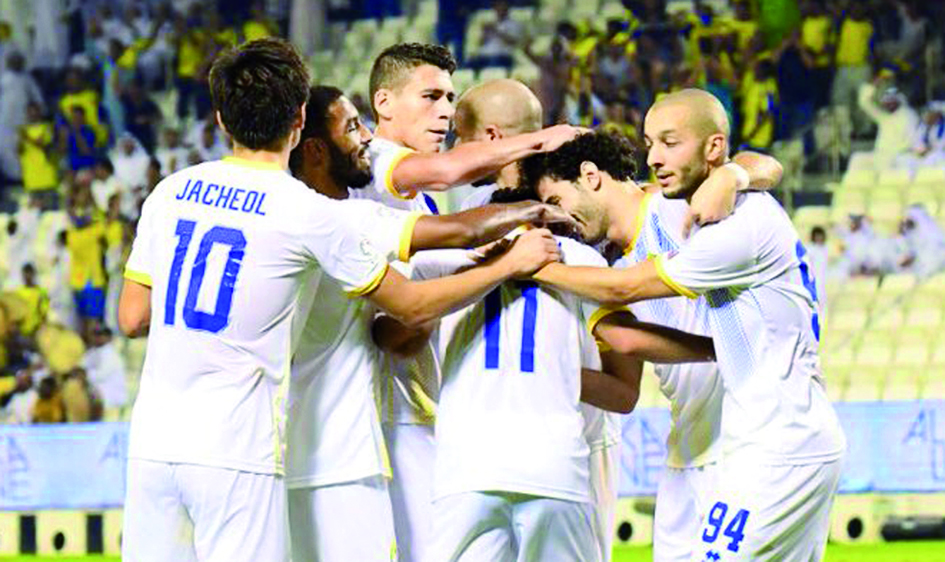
(522, 469)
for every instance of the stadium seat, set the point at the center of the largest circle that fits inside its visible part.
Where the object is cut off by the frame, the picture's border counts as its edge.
(463, 78)
(854, 519)
(9, 533)
(542, 44)
(863, 286)
(526, 73)
(812, 214)
(874, 337)
(858, 179)
(923, 317)
(864, 386)
(923, 195)
(634, 525)
(492, 73)
(884, 211)
(894, 178)
(930, 176)
(524, 16)
(912, 356)
(111, 531)
(934, 388)
(613, 10)
(937, 357)
(897, 284)
(849, 320)
(60, 533)
(876, 357)
(862, 161)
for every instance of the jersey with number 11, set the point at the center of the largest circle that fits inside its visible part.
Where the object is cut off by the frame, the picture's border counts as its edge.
(231, 250)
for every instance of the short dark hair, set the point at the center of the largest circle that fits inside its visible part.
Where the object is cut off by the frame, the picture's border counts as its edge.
(818, 230)
(393, 65)
(612, 152)
(320, 99)
(106, 163)
(259, 88)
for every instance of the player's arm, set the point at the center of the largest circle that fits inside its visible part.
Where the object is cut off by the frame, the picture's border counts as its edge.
(415, 303)
(395, 338)
(134, 308)
(624, 334)
(606, 285)
(616, 387)
(715, 198)
(472, 161)
(481, 225)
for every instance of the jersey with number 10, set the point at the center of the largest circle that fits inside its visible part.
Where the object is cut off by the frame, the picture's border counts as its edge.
(231, 250)
(509, 416)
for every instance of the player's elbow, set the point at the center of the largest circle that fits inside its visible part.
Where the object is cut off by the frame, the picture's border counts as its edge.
(628, 402)
(132, 323)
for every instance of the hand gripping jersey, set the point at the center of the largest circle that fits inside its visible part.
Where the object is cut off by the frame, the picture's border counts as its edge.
(752, 272)
(509, 416)
(230, 249)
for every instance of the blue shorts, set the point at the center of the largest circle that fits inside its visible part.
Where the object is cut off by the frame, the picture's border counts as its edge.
(90, 302)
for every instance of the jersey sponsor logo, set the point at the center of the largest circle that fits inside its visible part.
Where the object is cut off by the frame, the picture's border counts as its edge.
(247, 201)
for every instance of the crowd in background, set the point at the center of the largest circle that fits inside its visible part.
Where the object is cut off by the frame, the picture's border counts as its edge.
(99, 101)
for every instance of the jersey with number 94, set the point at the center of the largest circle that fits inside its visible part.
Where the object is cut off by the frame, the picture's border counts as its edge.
(231, 250)
(509, 416)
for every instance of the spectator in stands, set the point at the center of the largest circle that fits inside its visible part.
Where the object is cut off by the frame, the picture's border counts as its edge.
(499, 39)
(77, 140)
(852, 61)
(80, 401)
(912, 36)
(38, 162)
(260, 25)
(816, 42)
(17, 91)
(131, 163)
(86, 243)
(759, 108)
(896, 121)
(6, 32)
(142, 115)
(556, 68)
(818, 257)
(922, 247)
(36, 299)
(11, 385)
(209, 146)
(614, 73)
(189, 42)
(61, 301)
(106, 183)
(79, 94)
(48, 407)
(18, 254)
(105, 366)
(928, 145)
(172, 155)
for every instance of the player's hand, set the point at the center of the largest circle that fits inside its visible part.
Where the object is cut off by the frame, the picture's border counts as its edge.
(714, 200)
(541, 214)
(531, 251)
(553, 137)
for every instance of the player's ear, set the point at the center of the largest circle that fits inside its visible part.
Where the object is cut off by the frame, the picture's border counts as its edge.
(493, 132)
(220, 123)
(300, 119)
(716, 148)
(590, 174)
(383, 102)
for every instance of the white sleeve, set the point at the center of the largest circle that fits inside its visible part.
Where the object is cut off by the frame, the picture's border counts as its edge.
(385, 156)
(333, 236)
(389, 230)
(433, 264)
(577, 254)
(138, 267)
(725, 254)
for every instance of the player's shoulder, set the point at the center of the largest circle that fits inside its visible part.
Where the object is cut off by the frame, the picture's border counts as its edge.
(382, 147)
(577, 253)
(431, 264)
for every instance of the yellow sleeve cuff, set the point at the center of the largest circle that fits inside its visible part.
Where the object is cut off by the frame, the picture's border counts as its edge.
(661, 271)
(369, 287)
(389, 179)
(406, 236)
(595, 319)
(138, 277)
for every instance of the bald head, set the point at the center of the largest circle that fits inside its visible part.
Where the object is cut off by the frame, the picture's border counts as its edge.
(704, 113)
(506, 104)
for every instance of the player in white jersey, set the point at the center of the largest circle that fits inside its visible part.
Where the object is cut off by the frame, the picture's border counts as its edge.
(781, 442)
(337, 468)
(412, 94)
(222, 255)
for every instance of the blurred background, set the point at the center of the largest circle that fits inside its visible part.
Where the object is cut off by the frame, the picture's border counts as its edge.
(100, 100)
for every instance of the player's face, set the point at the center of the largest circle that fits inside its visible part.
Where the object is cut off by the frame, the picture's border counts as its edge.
(423, 108)
(350, 161)
(675, 153)
(579, 201)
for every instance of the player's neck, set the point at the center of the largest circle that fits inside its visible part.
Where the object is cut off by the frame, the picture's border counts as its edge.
(508, 177)
(386, 131)
(323, 183)
(624, 209)
(280, 158)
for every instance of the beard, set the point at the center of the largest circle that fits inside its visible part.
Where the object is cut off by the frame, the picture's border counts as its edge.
(345, 171)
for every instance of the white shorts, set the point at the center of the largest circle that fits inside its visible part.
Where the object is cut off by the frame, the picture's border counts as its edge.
(604, 465)
(760, 512)
(411, 448)
(348, 521)
(186, 512)
(506, 527)
(680, 508)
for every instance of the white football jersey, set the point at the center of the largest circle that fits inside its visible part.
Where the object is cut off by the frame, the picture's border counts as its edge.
(230, 250)
(693, 389)
(751, 270)
(333, 427)
(480, 196)
(509, 416)
(407, 387)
